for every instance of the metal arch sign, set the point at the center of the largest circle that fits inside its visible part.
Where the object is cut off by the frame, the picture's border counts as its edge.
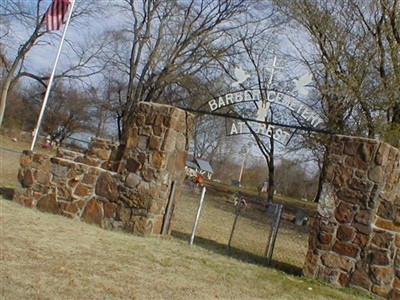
(263, 109)
(286, 101)
(259, 117)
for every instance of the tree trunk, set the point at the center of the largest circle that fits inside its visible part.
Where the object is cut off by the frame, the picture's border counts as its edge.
(10, 76)
(396, 113)
(100, 124)
(3, 100)
(271, 184)
(271, 172)
(119, 125)
(322, 174)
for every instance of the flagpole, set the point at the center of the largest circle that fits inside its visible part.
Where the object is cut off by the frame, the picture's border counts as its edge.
(46, 96)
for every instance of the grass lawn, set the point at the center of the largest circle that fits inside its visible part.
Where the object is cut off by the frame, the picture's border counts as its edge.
(45, 256)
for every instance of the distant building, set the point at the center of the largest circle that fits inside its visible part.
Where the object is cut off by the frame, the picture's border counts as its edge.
(199, 166)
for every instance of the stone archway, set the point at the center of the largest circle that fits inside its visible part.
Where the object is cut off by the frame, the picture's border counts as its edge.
(355, 238)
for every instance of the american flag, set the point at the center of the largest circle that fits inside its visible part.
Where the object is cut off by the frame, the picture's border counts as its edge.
(56, 14)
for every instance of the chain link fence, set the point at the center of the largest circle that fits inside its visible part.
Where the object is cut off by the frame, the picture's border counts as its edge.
(246, 233)
(252, 231)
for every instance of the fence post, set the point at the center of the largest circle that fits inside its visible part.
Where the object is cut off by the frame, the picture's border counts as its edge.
(241, 203)
(196, 221)
(273, 233)
(168, 212)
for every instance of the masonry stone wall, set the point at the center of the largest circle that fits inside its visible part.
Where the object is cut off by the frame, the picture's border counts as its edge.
(355, 239)
(124, 187)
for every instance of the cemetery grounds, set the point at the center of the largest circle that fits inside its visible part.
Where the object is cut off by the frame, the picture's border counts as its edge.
(45, 256)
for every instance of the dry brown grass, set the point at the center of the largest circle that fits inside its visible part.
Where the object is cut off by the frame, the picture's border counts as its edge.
(251, 231)
(46, 256)
(9, 160)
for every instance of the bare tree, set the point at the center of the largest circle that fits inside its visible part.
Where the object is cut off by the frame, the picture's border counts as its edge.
(69, 111)
(348, 46)
(380, 20)
(352, 51)
(208, 136)
(171, 42)
(258, 43)
(28, 17)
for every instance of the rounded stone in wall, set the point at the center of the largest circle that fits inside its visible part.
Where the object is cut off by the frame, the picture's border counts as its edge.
(93, 213)
(107, 187)
(48, 203)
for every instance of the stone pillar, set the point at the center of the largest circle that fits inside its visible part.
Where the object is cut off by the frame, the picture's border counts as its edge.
(86, 186)
(355, 239)
(154, 156)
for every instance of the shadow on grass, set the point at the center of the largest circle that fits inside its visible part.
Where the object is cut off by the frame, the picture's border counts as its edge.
(7, 192)
(236, 253)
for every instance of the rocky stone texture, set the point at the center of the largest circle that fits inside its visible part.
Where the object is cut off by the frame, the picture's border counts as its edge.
(99, 154)
(355, 239)
(134, 197)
